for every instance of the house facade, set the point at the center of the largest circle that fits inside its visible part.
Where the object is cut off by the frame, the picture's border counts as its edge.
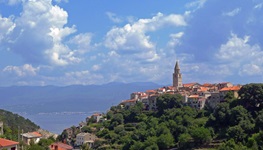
(31, 137)
(83, 138)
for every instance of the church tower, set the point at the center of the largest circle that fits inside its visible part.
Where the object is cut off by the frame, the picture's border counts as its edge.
(177, 77)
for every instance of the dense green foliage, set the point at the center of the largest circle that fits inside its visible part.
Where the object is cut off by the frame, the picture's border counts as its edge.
(13, 123)
(233, 124)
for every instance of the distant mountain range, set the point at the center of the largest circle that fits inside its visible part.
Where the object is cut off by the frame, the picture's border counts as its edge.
(36, 99)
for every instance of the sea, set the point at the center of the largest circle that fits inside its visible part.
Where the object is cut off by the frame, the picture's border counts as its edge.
(56, 120)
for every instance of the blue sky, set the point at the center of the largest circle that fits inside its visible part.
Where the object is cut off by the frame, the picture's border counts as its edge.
(65, 42)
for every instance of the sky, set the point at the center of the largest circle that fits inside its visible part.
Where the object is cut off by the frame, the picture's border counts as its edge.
(68, 42)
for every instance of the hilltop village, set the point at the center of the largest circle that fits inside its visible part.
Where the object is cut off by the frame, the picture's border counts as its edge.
(195, 95)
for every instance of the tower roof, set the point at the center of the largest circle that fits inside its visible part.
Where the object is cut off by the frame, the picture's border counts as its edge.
(177, 65)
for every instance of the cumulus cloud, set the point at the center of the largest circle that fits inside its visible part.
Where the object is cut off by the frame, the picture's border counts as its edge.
(133, 38)
(238, 49)
(38, 34)
(21, 71)
(241, 56)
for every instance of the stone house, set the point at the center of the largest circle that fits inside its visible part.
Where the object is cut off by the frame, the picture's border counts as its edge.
(83, 138)
(31, 137)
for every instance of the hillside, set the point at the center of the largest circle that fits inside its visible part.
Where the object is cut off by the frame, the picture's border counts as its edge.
(13, 122)
(236, 123)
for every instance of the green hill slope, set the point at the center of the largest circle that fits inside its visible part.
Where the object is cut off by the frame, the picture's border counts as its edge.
(15, 124)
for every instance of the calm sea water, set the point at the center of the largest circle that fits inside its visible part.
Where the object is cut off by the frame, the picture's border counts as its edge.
(56, 117)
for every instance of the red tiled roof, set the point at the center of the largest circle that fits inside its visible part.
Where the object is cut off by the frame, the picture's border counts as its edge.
(36, 134)
(203, 89)
(233, 88)
(5, 142)
(189, 84)
(129, 101)
(32, 135)
(62, 146)
(150, 91)
(207, 85)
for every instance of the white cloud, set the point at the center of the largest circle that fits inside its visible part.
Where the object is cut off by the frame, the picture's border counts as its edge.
(237, 49)
(6, 27)
(132, 38)
(241, 56)
(251, 69)
(113, 17)
(196, 4)
(175, 39)
(82, 41)
(21, 71)
(232, 13)
(39, 33)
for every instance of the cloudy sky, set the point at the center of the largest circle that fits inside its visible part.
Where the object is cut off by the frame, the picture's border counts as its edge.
(65, 42)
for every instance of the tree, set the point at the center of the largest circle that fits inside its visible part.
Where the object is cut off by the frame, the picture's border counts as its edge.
(86, 129)
(220, 117)
(165, 141)
(251, 96)
(168, 101)
(201, 135)
(45, 143)
(237, 133)
(231, 145)
(184, 140)
(36, 147)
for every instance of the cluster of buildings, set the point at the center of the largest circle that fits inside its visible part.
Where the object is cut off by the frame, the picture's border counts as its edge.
(28, 138)
(195, 95)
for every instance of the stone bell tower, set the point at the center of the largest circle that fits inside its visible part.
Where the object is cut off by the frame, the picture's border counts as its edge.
(177, 77)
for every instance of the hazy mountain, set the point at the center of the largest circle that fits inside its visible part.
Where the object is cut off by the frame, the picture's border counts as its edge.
(33, 99)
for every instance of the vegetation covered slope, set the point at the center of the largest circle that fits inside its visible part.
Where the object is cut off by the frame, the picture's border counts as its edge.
(234, 124)
(14, 122)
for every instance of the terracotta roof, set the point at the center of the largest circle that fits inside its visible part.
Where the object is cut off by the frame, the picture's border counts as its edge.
(203, 89)
(233, 88)
(189, 84)
(170, 88)
(150, 91)
(62, 146)
(129, 101)
(5, 142)
(207, 85)
(32, 135)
